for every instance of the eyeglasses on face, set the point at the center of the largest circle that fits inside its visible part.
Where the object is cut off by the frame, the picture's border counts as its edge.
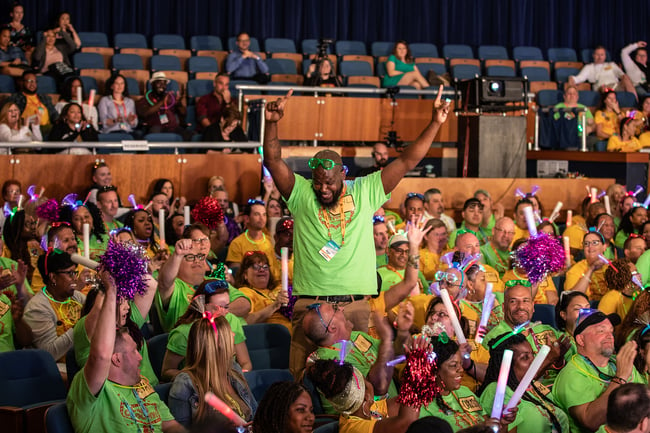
(316, 307)
(445, 276)
(327, 164)
(200, 241)
(259, 267)
(591, 243)
(503, 231)
(400, 251)
(194, 257)
(70, 274)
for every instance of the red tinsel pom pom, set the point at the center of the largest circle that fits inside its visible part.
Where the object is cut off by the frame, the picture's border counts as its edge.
(419, 387)
(208, 211)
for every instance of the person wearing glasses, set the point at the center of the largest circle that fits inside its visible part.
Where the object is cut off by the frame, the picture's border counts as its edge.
(62, 237)
(326, 325)
(588, 275)
(472, 219)
(254, 237)
(496, 252)
(398, 258)
(518, 311)
(243, 64)
(177, 279)
(606, 226)
(53, 311)
(333, 219)
(585, 383)
(255, 280)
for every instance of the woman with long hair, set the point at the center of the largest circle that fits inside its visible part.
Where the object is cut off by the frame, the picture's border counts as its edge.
(536, 413)
(401, 69)
(12, 128)
(567, 311)
(631, 223)
(434, 246)
(73, 126)
(70, 91)
(210, 366)
(588, 275)
(285, 408)
(19, 234)
(77, 214)
(626, 141)
(141, 224)
(116, 109)
(608, 115)
(215, 299)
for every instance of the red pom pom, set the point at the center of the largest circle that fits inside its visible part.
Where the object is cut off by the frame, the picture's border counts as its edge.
(208, 211)
(419, 387)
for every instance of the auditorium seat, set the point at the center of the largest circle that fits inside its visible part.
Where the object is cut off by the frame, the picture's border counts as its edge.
(182, 55)
(351, 68)
(536, 86)
(548, 98)
(46, 84)
(130, 40)
(279, 45)
(590, 98)
(90, 83)
(562, 54)
(359, 58)
(127, 61)
(425, 64)
(486, 52)
(7, 84)
(527, 53)
(500, 71)
(144, 53)
(219, 55)
(626, 99)
(57, 419)
(254, 46)
(93, 39)
(294, 57)
(563, 70)
(281, 66)
(287, 79)
(260, 380)
(364, 81)
(198, 88)
(350, 47)
(310, 46)
(423, 49)
(105, 52)
(535, 73)
(464, 68)
(167, 42)
(202, 64)
(380, 48)
(88, 61)
(139, 81)
(165, 63)
(205, 75)
(453, 51)
(205, 42)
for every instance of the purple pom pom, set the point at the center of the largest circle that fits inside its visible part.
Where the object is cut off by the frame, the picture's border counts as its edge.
(48, 210)
(127, 264)
(288, 310)
(540, 256)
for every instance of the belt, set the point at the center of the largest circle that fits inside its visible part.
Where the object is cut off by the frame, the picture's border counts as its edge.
(335, 299)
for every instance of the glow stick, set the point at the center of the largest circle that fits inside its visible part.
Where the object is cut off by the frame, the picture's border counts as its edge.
(284, 253)
(538, 218)
(638, 190)
(91, 98)
(601, 194)
(186, 216)
(556, 211)
(346, 348)
(606, 260)
(161, 225)
(608, 208)
(588, 190)
(86, 237)
(488, 303)
(567, 251)
(224, 409)
(569, 215)
(646, 202)
(636, 280)
(530, 221)
(391, 227)
(528, 377)
(40, 194)
(398, 360)
(594, 195)
(497, 407)
(20, 202)
(81, 260)
(460, 337)
(79, 96)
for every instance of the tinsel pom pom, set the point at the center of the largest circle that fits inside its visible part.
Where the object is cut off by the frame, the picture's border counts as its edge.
(48, 210)
(288, 310)
(127, 264)
(419, 387)
(208, 211)
(540, 256)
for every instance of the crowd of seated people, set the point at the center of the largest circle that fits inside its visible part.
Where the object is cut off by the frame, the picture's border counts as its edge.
(52, 306)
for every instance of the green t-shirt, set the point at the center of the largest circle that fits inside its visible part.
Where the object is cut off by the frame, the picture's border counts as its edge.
(7, 327)
(389, 278)
(6, 263)
(482, 235)
(467, 410)
(82, 345)
(177, 342)
(180, 300)
(363, 355)
(531, 417)
(115, 407)
(353, 266)
(620, 238)
(643, 266)
(578, 383)
(382, 260)
(490, 225)
(496, 258)
(97, 248)
(538, 336)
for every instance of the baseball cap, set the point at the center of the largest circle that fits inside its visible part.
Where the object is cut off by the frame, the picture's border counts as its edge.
(589, 316)
(397, 240)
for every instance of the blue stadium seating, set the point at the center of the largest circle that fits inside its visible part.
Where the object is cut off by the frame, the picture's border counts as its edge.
(281, 66)
(93, 39)
(590, 98)
(130, 40)
(535, 73)
(354, 68)
(350, 47)
(562, 54)
(562, 74)
(279, 45)
(452, 51)
(492, 52)
(465, 72)
(7, 84)
(202, 64)
(127, 61)
(167, 42)
(88, 61)
(46, 84)
(165, 63)
(527, 53)
(198, 88)
(500, 71)
(379, 49)
(421, 49)
(206, 42)
(548, 98)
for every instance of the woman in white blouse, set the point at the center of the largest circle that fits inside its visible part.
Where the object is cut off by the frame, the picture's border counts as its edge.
(12, 128)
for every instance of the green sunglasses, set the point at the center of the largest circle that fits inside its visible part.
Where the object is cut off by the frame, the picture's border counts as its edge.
(327, 164)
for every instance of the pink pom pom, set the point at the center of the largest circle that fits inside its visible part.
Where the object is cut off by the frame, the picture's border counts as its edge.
(48, 210)
(540, 256)
(208, 211)
(419, 387)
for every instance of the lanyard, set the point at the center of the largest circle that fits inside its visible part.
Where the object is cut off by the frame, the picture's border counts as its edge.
(117, 109)
(326, 217)
(142, 407)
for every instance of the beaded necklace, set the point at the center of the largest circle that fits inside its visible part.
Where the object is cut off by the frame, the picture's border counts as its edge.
(64, 317)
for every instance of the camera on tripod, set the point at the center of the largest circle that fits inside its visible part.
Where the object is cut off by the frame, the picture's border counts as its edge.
(321, 50)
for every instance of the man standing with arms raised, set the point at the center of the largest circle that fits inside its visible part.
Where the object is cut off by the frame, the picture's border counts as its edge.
(333, 237)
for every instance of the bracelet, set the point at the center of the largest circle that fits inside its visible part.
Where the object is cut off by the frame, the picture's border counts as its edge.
(471, 365)
(414, 262)
(619, 380)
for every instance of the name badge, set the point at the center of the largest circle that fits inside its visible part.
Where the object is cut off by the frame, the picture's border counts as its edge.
(329, 250)
(163, 119)
(144, 389)
(491, 277)
(470, 404)
(362, 343)
(3, 308)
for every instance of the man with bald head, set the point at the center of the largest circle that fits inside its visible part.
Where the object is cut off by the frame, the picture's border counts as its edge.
(468, 243)
(380, 157)
(496, 253)
(334, 248)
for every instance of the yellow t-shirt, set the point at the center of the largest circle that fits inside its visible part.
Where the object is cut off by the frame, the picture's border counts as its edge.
(262, 298)
(576, 233)
(32, 108)
(544, 286)
(615, 143)
(354, 424)
(243, 244)
(492, 276)
(597, 285)
(429, 263)
(378, 305)
(420, 303)
(609, 120)
(519, 234)
(615, 302)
